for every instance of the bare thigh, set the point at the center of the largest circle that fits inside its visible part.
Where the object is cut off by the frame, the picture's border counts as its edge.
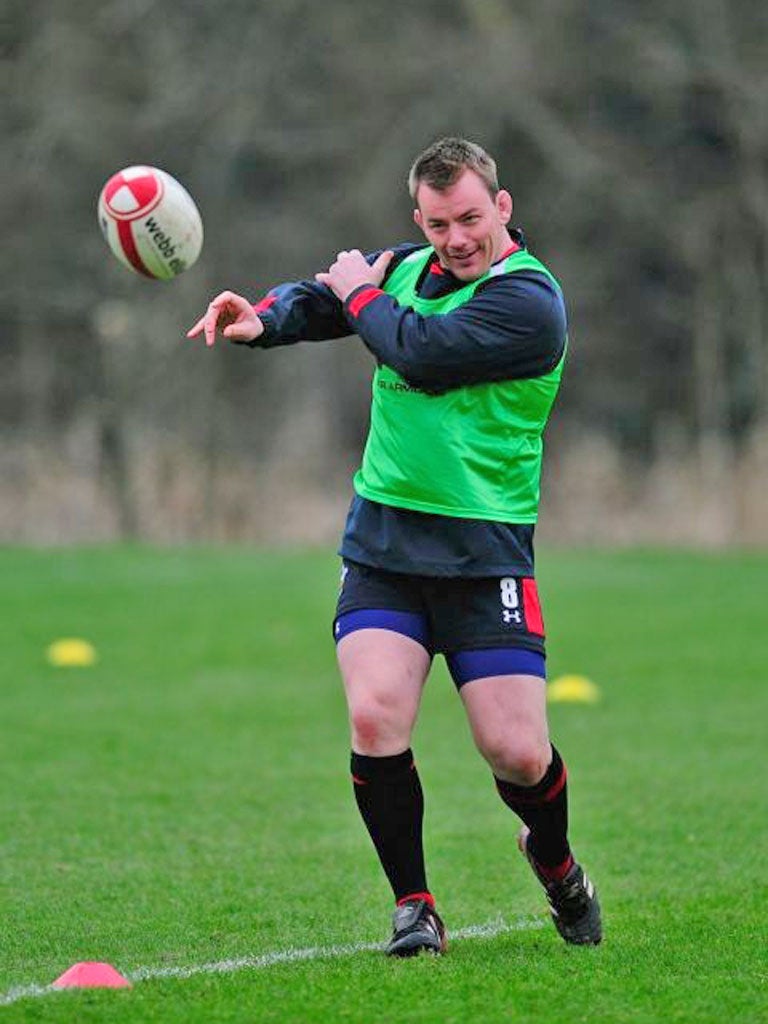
(384, 674)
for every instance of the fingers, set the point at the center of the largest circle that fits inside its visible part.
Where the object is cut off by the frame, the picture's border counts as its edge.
(211, 318)
(194, 331)
(380, 264)
(226, 301)
(246, 330)
(350, 269)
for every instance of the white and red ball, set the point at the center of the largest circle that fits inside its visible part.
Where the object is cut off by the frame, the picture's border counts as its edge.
(150, 222)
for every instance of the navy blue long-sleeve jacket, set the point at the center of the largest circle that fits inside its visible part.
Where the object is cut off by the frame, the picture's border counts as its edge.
(513, 327)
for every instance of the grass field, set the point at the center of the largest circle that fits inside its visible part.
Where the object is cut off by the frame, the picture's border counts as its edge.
(186, 800)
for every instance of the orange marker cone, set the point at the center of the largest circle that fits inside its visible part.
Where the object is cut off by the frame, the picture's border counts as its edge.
(91, 975)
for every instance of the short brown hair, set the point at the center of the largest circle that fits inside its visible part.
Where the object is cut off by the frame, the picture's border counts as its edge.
(442, 164)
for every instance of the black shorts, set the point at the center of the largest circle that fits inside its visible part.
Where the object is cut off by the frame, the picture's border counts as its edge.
(447, 615)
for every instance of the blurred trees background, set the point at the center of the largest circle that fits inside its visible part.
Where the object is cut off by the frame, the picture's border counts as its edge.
(634, 138)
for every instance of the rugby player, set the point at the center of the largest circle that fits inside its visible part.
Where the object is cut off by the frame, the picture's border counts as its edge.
(468, 330)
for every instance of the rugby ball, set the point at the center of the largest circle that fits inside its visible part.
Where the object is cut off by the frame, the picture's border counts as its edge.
(150, 222)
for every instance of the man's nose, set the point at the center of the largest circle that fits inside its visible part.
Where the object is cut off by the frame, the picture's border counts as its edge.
(456, 236)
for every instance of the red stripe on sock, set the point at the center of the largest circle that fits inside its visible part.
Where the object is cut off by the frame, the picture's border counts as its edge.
(412, 897)
(556, 787)
(359, 782)
(519, 795)
(557, 873)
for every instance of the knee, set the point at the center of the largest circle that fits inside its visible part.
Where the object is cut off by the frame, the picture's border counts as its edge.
(378, 728)
(522, 763)
(368, 728)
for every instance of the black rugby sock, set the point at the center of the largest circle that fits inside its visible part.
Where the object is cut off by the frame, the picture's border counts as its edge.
(391, 803)
(544, 809)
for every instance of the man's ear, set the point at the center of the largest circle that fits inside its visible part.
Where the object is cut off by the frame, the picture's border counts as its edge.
(418, 218)
(504, 205)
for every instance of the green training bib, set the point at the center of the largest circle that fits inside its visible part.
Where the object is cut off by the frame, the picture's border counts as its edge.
(474, 452)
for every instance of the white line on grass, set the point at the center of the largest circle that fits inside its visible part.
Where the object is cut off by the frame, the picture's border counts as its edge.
(285, 956)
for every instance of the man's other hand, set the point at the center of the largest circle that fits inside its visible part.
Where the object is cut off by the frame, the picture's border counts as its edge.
(351, 269)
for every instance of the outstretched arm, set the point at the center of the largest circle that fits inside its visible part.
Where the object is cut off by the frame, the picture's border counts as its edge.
(296, 311)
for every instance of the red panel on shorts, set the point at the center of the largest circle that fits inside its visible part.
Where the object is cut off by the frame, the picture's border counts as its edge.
(532, 607)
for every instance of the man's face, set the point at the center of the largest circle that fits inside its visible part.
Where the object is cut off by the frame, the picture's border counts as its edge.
(466, 226)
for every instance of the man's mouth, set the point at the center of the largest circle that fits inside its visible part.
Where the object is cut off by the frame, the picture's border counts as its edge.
(462, 257)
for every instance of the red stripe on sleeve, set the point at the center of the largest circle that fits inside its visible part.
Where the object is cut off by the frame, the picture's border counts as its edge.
(532, 607)
(363, 297)
(265, 303)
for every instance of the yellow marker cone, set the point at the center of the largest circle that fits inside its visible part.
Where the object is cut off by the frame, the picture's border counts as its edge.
(573, 690)
(71, 652)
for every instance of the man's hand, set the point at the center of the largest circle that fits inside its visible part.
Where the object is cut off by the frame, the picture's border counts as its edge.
(350, 270)
(233, 315)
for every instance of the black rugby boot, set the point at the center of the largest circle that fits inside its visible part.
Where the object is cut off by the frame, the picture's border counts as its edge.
(572, 900)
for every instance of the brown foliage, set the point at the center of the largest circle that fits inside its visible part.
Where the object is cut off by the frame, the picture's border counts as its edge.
(633, 138)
